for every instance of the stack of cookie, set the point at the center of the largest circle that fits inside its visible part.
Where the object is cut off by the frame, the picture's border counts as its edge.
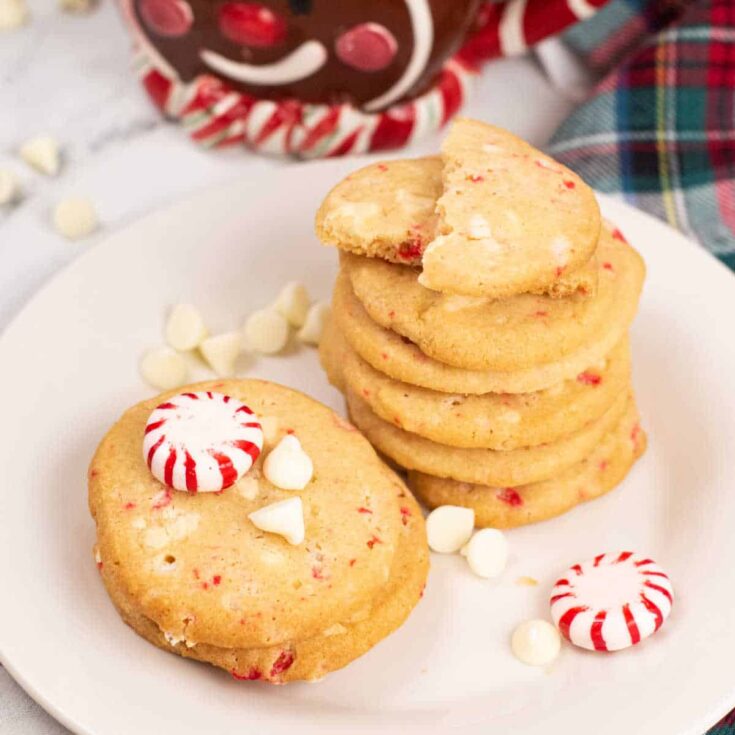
(479, 328)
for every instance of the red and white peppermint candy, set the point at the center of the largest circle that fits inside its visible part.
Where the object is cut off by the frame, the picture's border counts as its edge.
(612, 601)
(201, 442)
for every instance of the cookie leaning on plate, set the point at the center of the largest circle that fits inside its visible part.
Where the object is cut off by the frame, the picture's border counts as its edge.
(511, 219)
(192, 574)
(384, 210)
(388, 210)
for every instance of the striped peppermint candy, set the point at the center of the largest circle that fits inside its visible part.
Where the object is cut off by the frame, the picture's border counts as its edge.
(201, 442)
(612, 601)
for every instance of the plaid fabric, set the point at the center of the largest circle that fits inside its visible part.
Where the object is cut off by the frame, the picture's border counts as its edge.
(726, 726)
(659, 126)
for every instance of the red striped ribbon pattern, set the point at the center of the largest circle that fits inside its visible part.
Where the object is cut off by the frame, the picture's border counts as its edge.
(611, 602)
(201, 442)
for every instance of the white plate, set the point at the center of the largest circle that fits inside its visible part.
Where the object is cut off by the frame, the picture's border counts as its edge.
(68, 367)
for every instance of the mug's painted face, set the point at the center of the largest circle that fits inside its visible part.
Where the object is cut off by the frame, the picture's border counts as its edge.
(371, 53)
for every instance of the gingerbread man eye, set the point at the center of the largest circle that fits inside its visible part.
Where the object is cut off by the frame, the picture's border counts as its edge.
(170, 18)
(251, 24)
(366, 47)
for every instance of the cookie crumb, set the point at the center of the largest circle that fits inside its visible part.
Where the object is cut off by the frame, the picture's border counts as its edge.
(77, 6)
(527, 582)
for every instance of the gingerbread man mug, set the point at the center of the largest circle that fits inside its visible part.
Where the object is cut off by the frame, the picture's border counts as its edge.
(313, 78)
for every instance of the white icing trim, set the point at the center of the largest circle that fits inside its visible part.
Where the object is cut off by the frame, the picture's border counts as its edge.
(512, 39)
(304, 61)
(422, 24)
(581, 8)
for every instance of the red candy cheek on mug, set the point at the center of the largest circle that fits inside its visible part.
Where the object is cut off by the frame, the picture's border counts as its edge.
(251, 24)
(171, 18)
(366, 47)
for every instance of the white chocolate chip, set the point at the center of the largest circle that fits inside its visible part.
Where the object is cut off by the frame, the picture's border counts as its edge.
(171, 639)
(185, 328)
(43, 154)
(164, 563)
(288, 466)
(547, 164)
(138, 523)
(266, 331)
(286, 518)
(77, 6)
(293, 303)
(311, 332)
(511, 416)
(411, 202)
(487, 553)
(248, 487)
(221, 352)
(9, 186)
(560, 249)
(75, 218)
(478, 228)
(449, 527)
(156, 537)
(272, 557)
(97, 556)
(456, 302)
(13, 14)
(512, 226)
(183, 525)
(359, 212)
(536, 642)
(491, 148)
(162, 368)
(336, 629)
(269, 425)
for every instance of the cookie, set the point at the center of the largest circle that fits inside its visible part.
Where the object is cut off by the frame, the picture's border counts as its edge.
(511, 334)
(387, 210)
(493, 420)
(511, 219)
(508, 507)
(201, 573)
(402, 360)
(482, 466)
(331, 649)
(384, 210)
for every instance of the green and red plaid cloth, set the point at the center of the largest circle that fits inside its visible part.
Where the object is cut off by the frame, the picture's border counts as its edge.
(659, 127)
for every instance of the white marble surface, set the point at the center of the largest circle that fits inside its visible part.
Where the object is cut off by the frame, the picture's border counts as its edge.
(70, 76)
